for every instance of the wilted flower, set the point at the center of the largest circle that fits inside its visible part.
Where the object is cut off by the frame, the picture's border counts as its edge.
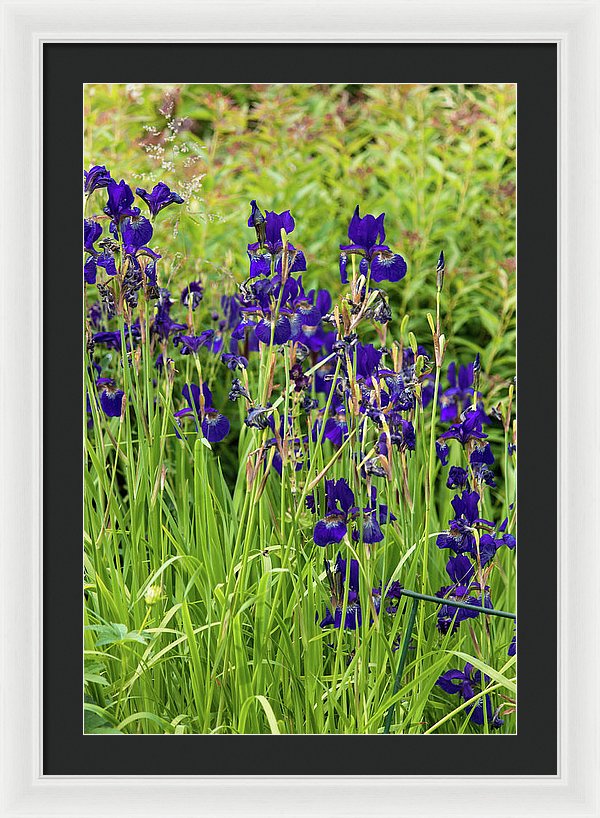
(191, 296)
(259, 417)
(238, 390)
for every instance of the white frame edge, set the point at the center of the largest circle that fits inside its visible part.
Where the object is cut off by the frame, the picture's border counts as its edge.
(575, 26)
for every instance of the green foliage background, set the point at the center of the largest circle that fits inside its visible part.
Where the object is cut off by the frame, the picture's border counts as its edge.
(438, 160)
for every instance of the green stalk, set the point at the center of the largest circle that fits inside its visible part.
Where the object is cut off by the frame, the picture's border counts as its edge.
(402, 661)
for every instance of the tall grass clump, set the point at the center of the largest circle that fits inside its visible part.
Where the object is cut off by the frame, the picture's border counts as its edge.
(299, 505)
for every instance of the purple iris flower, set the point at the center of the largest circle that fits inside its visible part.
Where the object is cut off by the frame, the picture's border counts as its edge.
(393, 593)
(337, 579)
(275, 223)
(464, 589)
(112, 340)
(162, 325)
(507, 539)
(336, 426)
(512, 648)
(457, 478)
(459, 395)
(306, 314)
(136, 232)
(215, 426)
(160, 362)
(442, 451)
(190, 344)
(230, 305)
(192, 295)
(111, 398)
(367, 362)
(461, 536)
(482, 453)
(120, 199)
(94, 314)
(460, 569)
(333, 527)
(371, 530)
(162, 196)
(449, 616)
(97, 176)
(401, 394)
(403, 435)
(367, 237)
(239, 331)
(260, 265)
(295, 308)
(234, 362)
(469, 428)
(373, 517)
(92, 231)
(268, 229)
(466, 684)
(490, 543)
(481, 458)
(280, 330)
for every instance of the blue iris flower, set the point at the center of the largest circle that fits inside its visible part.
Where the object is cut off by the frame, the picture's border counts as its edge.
(468, 429)
(120, 199)
(97, 176)
(160, 197)
(339, 500)
(215, 426)
(467, 683)
(111, 398)
(367, 237)
(269, 245)
(337, 578)
(461, 536)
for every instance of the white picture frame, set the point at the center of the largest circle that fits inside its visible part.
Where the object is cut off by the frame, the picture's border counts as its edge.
(575, 26)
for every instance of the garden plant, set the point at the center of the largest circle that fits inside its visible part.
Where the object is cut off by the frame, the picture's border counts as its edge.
(299, 409)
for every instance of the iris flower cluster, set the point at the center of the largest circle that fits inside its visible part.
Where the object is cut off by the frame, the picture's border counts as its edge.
(340, 389)
(473, 539)
(345, 595)
(466, 684)
(129, 266)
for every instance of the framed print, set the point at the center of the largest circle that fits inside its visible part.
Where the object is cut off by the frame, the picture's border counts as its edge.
(290, 377)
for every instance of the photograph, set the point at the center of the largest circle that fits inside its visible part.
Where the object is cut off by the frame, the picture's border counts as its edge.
(299, 409)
